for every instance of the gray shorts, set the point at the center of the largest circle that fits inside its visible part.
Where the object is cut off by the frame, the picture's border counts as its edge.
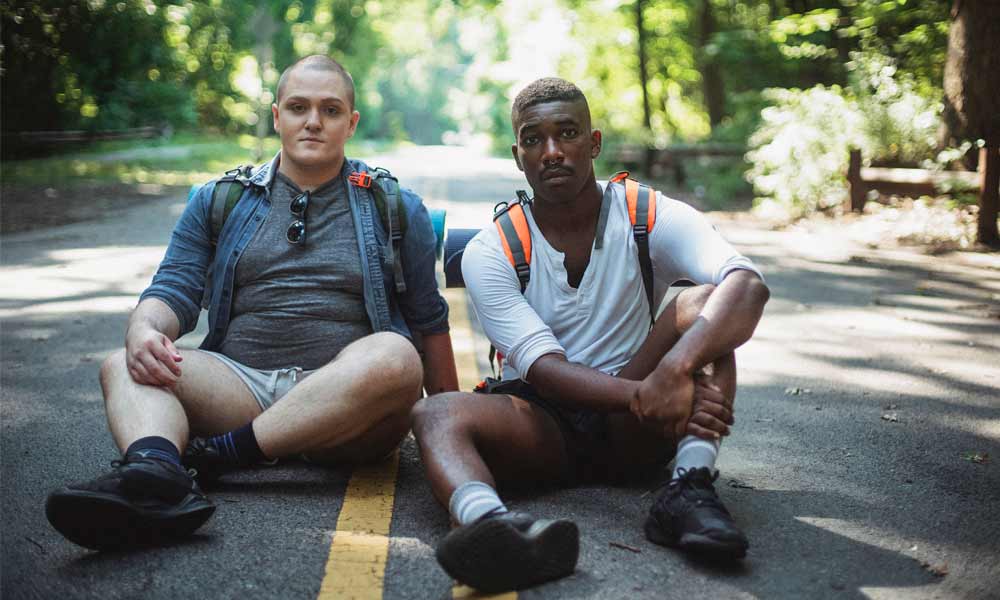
(267, 386)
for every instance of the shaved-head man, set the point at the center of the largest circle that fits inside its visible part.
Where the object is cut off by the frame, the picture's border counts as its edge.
(312, 350)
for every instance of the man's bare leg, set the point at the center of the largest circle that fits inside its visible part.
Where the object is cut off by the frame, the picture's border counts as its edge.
(688, 513)
(208, 396)
(468, 443)
(490, 438)
(149, 497)
(638, 446)
(355, 407)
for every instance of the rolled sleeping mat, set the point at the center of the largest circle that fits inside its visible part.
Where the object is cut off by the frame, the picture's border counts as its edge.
(454, 247)
(437, 222)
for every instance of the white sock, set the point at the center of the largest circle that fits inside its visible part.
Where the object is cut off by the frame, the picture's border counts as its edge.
(472, 500)
(694, 453)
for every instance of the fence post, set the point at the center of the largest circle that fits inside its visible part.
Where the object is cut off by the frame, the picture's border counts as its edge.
(989, 195)
(855, 186)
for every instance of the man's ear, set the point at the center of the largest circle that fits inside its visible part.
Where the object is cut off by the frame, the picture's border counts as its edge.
(595, 143)
(274, 116)
(355, 117)
(517, 161)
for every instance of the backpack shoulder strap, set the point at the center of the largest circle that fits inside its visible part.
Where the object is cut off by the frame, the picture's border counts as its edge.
(389, 203)
(641, 201)
(512, 225)
(515, 236)
(227, 192)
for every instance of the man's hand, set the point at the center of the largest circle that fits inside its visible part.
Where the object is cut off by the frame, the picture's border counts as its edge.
(151, 357)
(664, 401)
(712, 413)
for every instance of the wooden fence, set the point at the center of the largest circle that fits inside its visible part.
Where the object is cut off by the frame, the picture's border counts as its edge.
(904, 182)
(672, 158)
(60, 137)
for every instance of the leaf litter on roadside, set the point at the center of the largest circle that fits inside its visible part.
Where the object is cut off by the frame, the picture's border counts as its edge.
(980, 458)
(935, 569)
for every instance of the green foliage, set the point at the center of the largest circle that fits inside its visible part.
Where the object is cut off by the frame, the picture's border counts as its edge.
(901, 125)
(70, 65)
(800, 152)
(445, 70)
(717, 182)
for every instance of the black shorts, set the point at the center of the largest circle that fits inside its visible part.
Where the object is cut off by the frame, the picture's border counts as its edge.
(585, 432)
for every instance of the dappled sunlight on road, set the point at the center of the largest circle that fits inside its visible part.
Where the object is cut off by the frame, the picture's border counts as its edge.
(77, 281)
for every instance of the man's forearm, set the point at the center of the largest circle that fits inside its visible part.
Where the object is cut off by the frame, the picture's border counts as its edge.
(157, 315)
(576, 386)
(728, 320)
(439, 364)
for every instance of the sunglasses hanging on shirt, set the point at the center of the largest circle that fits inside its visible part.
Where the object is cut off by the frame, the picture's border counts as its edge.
(296, 233)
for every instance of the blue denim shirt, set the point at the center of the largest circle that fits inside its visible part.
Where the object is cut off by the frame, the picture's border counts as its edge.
(193, 273)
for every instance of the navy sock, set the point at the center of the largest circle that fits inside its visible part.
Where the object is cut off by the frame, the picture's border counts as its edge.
(239, 446)
(154, 447)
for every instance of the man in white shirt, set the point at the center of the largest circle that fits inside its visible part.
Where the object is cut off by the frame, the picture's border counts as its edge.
(590, 390)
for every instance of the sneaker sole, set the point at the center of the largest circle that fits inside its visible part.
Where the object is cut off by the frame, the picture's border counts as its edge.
(695, 543)
(495, 557)
(107, 522)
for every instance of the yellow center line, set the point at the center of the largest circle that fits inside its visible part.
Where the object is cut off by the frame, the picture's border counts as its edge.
(360, 546)
(355, 568)
(463, 339)
(466, 346)
(464, 592)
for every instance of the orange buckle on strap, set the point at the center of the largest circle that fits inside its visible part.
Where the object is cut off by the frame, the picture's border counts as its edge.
(360, 179)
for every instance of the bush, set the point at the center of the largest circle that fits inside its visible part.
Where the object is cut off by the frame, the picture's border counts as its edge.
(799, 154)
(900, 125)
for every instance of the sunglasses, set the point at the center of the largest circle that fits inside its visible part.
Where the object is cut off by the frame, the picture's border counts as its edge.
(296, 233)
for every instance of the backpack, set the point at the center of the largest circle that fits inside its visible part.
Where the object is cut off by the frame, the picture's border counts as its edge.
(515, 236)
(229, 189)
(512, 225)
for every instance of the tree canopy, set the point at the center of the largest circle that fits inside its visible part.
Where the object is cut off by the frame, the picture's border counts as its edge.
(429, 67)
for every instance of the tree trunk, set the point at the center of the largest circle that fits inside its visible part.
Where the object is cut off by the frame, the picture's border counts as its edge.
(972, 100)
(989, 195)
(644, 82)
(711, 74)
(264, 29)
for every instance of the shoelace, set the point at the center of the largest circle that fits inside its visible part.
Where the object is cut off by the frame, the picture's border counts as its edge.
(119, 463)
(692, 486)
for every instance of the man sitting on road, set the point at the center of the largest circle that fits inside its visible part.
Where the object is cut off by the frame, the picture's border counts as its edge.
(310, 350)
(590, 389)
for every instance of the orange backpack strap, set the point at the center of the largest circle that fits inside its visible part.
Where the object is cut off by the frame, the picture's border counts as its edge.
(512, 225)
(641, 200)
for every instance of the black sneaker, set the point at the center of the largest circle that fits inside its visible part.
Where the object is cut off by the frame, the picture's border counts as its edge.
(509, 551)
(141, 502)
(209, 464)
(689, 515)
(205, 459)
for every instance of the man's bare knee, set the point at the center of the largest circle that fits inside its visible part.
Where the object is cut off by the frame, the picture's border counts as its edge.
(690, 303)
(392, 358)
(113, 367)
(436, 411)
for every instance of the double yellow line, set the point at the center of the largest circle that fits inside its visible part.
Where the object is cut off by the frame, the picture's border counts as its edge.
(359, 550)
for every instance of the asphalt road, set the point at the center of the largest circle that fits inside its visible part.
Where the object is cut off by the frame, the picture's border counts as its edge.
(866, 397)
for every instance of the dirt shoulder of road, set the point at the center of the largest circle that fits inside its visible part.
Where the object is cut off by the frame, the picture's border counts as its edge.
(29, 207)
